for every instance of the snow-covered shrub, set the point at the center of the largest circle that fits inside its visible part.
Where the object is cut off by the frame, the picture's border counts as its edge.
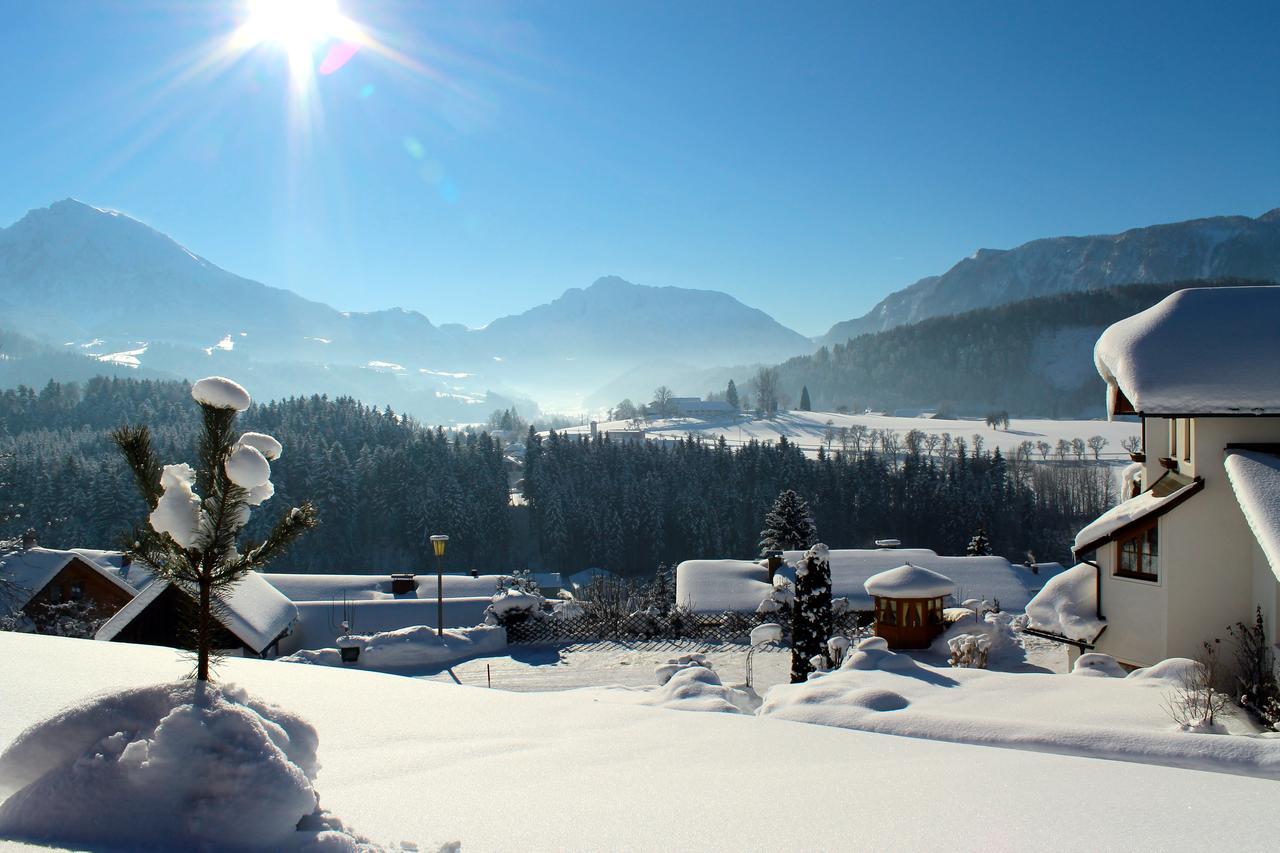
(969, 650)
(172, 766)
(837, 649)
(1255, 671)
(516, 599)
(1098, 665)
(68, 618)
(663, 672)
(696, 687)
(811, 620)
(766, 632)
(1197, 700)
(780, 599)
(567, 609)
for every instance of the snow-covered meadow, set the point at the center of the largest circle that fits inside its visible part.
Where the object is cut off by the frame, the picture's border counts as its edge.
(809, 430)
(416, 764)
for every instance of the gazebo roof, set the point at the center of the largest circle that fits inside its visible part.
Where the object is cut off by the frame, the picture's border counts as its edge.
(909, 582)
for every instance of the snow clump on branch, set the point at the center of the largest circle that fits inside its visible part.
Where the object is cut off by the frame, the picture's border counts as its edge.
(265, 444)
(247, 467)
(220, 393)
(178, 510)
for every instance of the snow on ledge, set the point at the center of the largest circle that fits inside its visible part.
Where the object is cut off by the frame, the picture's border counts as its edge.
(1068, 606)
(1255, 479)
(1127, 512)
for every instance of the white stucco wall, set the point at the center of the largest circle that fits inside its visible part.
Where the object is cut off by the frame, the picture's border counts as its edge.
(1209, 574)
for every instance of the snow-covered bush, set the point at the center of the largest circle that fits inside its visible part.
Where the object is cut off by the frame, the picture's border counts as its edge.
(811, 621)
(766, 632)
(1255, 671)
(1098, 665)
(171, 766)
(977, 640)
(694, 686)
(780, 598)
(68, 618)
(663, 672)
(969, 650)
(1198, 700)
(517, 599)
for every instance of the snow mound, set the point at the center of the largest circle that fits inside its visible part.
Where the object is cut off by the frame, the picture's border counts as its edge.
(263, 443)
(873, 699)
(1068, 605)
(1173, 670)
(410, 648)
(768, 632)
(696, 687)
(178, 510)
(247, 467)
(663, 672)
(1098, 665)
(909, 582)
(180, 765)
(220, 393)
(984, 635)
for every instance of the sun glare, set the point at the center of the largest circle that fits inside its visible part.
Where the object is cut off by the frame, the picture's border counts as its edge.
(298, 27)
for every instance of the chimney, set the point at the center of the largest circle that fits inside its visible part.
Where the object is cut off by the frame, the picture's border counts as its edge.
(29, 539)
(125, 562)
(402, 584)
(774, 563)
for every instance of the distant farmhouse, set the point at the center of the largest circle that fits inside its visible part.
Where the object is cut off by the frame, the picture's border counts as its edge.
(1195, 546)
(695, 407)
(35, 578)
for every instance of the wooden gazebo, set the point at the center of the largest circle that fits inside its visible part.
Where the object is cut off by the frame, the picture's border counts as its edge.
(908, 605)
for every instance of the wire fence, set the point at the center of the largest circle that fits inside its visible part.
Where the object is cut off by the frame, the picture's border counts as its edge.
(676, 626)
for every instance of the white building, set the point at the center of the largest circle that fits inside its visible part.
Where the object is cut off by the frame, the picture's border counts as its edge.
(695, 407)
(1198, 547)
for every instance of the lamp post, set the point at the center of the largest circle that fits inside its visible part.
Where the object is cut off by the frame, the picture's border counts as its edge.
(438, 542)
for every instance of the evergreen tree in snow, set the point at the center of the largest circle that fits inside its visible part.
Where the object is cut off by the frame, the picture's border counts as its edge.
(662, 591)
(811, 618)
(805, 404)
(788, 526)
(979, 545)
(193, 541)
(731, 394)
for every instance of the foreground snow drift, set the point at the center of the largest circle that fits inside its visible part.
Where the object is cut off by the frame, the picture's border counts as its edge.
(876, 690)
(417, 648)
(411, 760)
(175, 764)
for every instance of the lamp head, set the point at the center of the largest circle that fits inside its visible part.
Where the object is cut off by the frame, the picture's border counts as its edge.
(438, 542)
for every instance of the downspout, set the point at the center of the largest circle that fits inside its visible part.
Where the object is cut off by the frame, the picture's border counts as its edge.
(1097, 585)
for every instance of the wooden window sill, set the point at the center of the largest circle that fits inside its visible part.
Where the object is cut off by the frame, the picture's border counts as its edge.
(1137, 576)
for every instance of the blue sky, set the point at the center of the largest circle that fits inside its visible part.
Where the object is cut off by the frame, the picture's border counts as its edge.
(808, 157)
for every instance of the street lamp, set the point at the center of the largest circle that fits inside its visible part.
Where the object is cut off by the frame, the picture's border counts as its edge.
(438, 542)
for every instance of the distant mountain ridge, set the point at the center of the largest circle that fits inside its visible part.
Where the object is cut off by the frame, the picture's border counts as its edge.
(1209, 248)
(112, 286)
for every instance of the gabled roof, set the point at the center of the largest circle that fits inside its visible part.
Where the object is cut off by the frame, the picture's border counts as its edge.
(1255, 478)
(1164, 495)
(32, 569)
(1200, 351)
(252, 610)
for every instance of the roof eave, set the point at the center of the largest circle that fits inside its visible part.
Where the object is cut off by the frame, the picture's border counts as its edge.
(1169, 505)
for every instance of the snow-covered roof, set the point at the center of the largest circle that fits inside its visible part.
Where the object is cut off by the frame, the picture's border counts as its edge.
(335, 587)
(1164, 494)
(32, 569)
(1068, 606)
(713, 586)
(1255, 479)
(1197, 351)
(909, 581)
(253, 610)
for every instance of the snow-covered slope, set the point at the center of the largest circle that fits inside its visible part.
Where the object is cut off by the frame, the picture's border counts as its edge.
(408, 760)
(1215, 247)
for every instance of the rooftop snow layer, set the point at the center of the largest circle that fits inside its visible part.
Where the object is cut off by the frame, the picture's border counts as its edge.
(1255, 478)
(327, 588)
(1157, 499)
(253, 610)
(1197, 351)
(32, 569)
(712, 586)
(1068, 605)
(909, 582)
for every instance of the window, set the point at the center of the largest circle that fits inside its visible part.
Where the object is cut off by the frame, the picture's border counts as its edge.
(1186, 440)
(1173, 438)
(77, 591)
(1138, 554)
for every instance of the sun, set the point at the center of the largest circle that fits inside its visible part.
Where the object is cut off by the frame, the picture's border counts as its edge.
(298, 27)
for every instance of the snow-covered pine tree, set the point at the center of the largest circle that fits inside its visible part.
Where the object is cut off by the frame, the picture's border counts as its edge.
(788, 526)
(190, 541)
(811, 619)
(662, 591)
(805, 404)
(979, 545)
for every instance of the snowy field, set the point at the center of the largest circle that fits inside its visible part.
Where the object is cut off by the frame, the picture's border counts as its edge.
(808, 430)
(417, 764)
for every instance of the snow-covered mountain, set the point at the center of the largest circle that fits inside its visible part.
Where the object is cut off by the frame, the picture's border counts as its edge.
(1216, 247)
(110, 287)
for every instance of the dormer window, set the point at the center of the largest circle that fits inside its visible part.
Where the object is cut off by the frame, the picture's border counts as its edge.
(1138, 553)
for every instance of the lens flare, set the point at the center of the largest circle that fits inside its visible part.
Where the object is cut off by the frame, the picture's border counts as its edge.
(300, 28)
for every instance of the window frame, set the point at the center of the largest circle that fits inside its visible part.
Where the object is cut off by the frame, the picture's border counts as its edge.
(1139, 534)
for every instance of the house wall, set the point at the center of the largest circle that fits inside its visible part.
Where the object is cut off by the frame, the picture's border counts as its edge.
(1209, 577)
(1266, 592)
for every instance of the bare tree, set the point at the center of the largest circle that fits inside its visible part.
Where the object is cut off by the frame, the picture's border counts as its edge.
(891, 443)
(914, 442)
(931, 442)
(1078, 448)
(662, 405)
(1197, 701)
(1062, 449)
(978, 441)
(1044, 448)
(1096, 443)
(946, 445)
(1131, 443)
(765, 384)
